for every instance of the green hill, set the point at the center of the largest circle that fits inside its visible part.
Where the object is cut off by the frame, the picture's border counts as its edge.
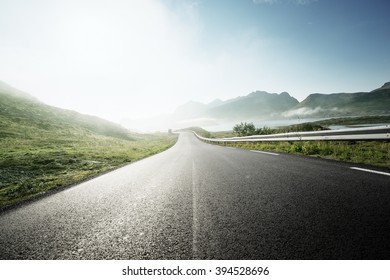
(44, 147)
(376, 102)
(23, 114)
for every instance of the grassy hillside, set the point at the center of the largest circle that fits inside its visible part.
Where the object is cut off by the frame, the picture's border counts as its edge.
(21, 116)
(42, 147)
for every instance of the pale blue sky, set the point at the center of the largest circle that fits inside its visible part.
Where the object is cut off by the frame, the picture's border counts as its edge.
(119, 59)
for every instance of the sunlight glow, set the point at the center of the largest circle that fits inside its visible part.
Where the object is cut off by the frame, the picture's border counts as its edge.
(121, 59)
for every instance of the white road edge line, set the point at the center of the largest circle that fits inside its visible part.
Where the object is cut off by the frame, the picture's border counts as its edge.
(371, 171)
(195, 222)
(261, 152)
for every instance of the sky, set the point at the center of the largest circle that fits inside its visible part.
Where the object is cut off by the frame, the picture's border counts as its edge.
(121, 59)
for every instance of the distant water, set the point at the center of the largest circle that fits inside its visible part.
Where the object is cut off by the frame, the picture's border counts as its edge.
(262, 123)
(333, 127)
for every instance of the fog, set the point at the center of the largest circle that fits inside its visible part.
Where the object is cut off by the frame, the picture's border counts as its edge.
(143, 58)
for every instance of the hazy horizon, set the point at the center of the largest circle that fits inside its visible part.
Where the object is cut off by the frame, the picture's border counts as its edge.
(132, 59)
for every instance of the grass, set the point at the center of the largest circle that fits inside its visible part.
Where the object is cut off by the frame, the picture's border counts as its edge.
(375, 153)
(43, 147)
(33, 166)
(263, 131)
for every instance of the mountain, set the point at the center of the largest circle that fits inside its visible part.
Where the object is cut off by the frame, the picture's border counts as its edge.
(215, 103)
(22, 113)
(376, 102)
(44, 148)
(190, 110)
(263, 106)
(385, 86)
(259, 105)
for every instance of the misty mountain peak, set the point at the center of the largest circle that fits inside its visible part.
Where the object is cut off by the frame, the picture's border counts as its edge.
(386, 86)
(215, 102)
(190, 109)
(258, 93)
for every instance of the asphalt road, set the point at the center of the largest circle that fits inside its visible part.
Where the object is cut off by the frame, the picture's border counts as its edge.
(200, 201)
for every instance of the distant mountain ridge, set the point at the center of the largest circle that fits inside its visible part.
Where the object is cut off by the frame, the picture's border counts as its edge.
(385, 86)
(261, 105)
(376, 102)
(258, 104)
(18, 107)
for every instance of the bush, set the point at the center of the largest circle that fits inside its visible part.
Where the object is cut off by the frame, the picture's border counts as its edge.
(244, 129)
(296, 148)
(311, 148)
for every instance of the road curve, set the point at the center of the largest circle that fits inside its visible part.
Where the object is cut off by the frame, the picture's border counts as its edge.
(200, 201)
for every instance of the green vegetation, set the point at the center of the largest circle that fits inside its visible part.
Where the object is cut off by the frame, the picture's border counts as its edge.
(354, 121)
(43, 148)
(368, 152)
(245, 129)
(32, 166)
(248, 129)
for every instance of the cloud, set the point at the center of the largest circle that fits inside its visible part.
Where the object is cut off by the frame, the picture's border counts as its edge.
(197, 122)
(304, 111)
(297, 2)
(112, 53)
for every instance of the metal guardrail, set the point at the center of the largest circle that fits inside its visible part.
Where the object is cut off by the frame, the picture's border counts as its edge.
(366, 133)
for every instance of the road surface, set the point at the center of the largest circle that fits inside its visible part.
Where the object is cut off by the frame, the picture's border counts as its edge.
(201, 201)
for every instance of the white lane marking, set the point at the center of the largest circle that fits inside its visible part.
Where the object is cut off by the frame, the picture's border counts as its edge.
(195, 222)
(268, 153)
(371, 171)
